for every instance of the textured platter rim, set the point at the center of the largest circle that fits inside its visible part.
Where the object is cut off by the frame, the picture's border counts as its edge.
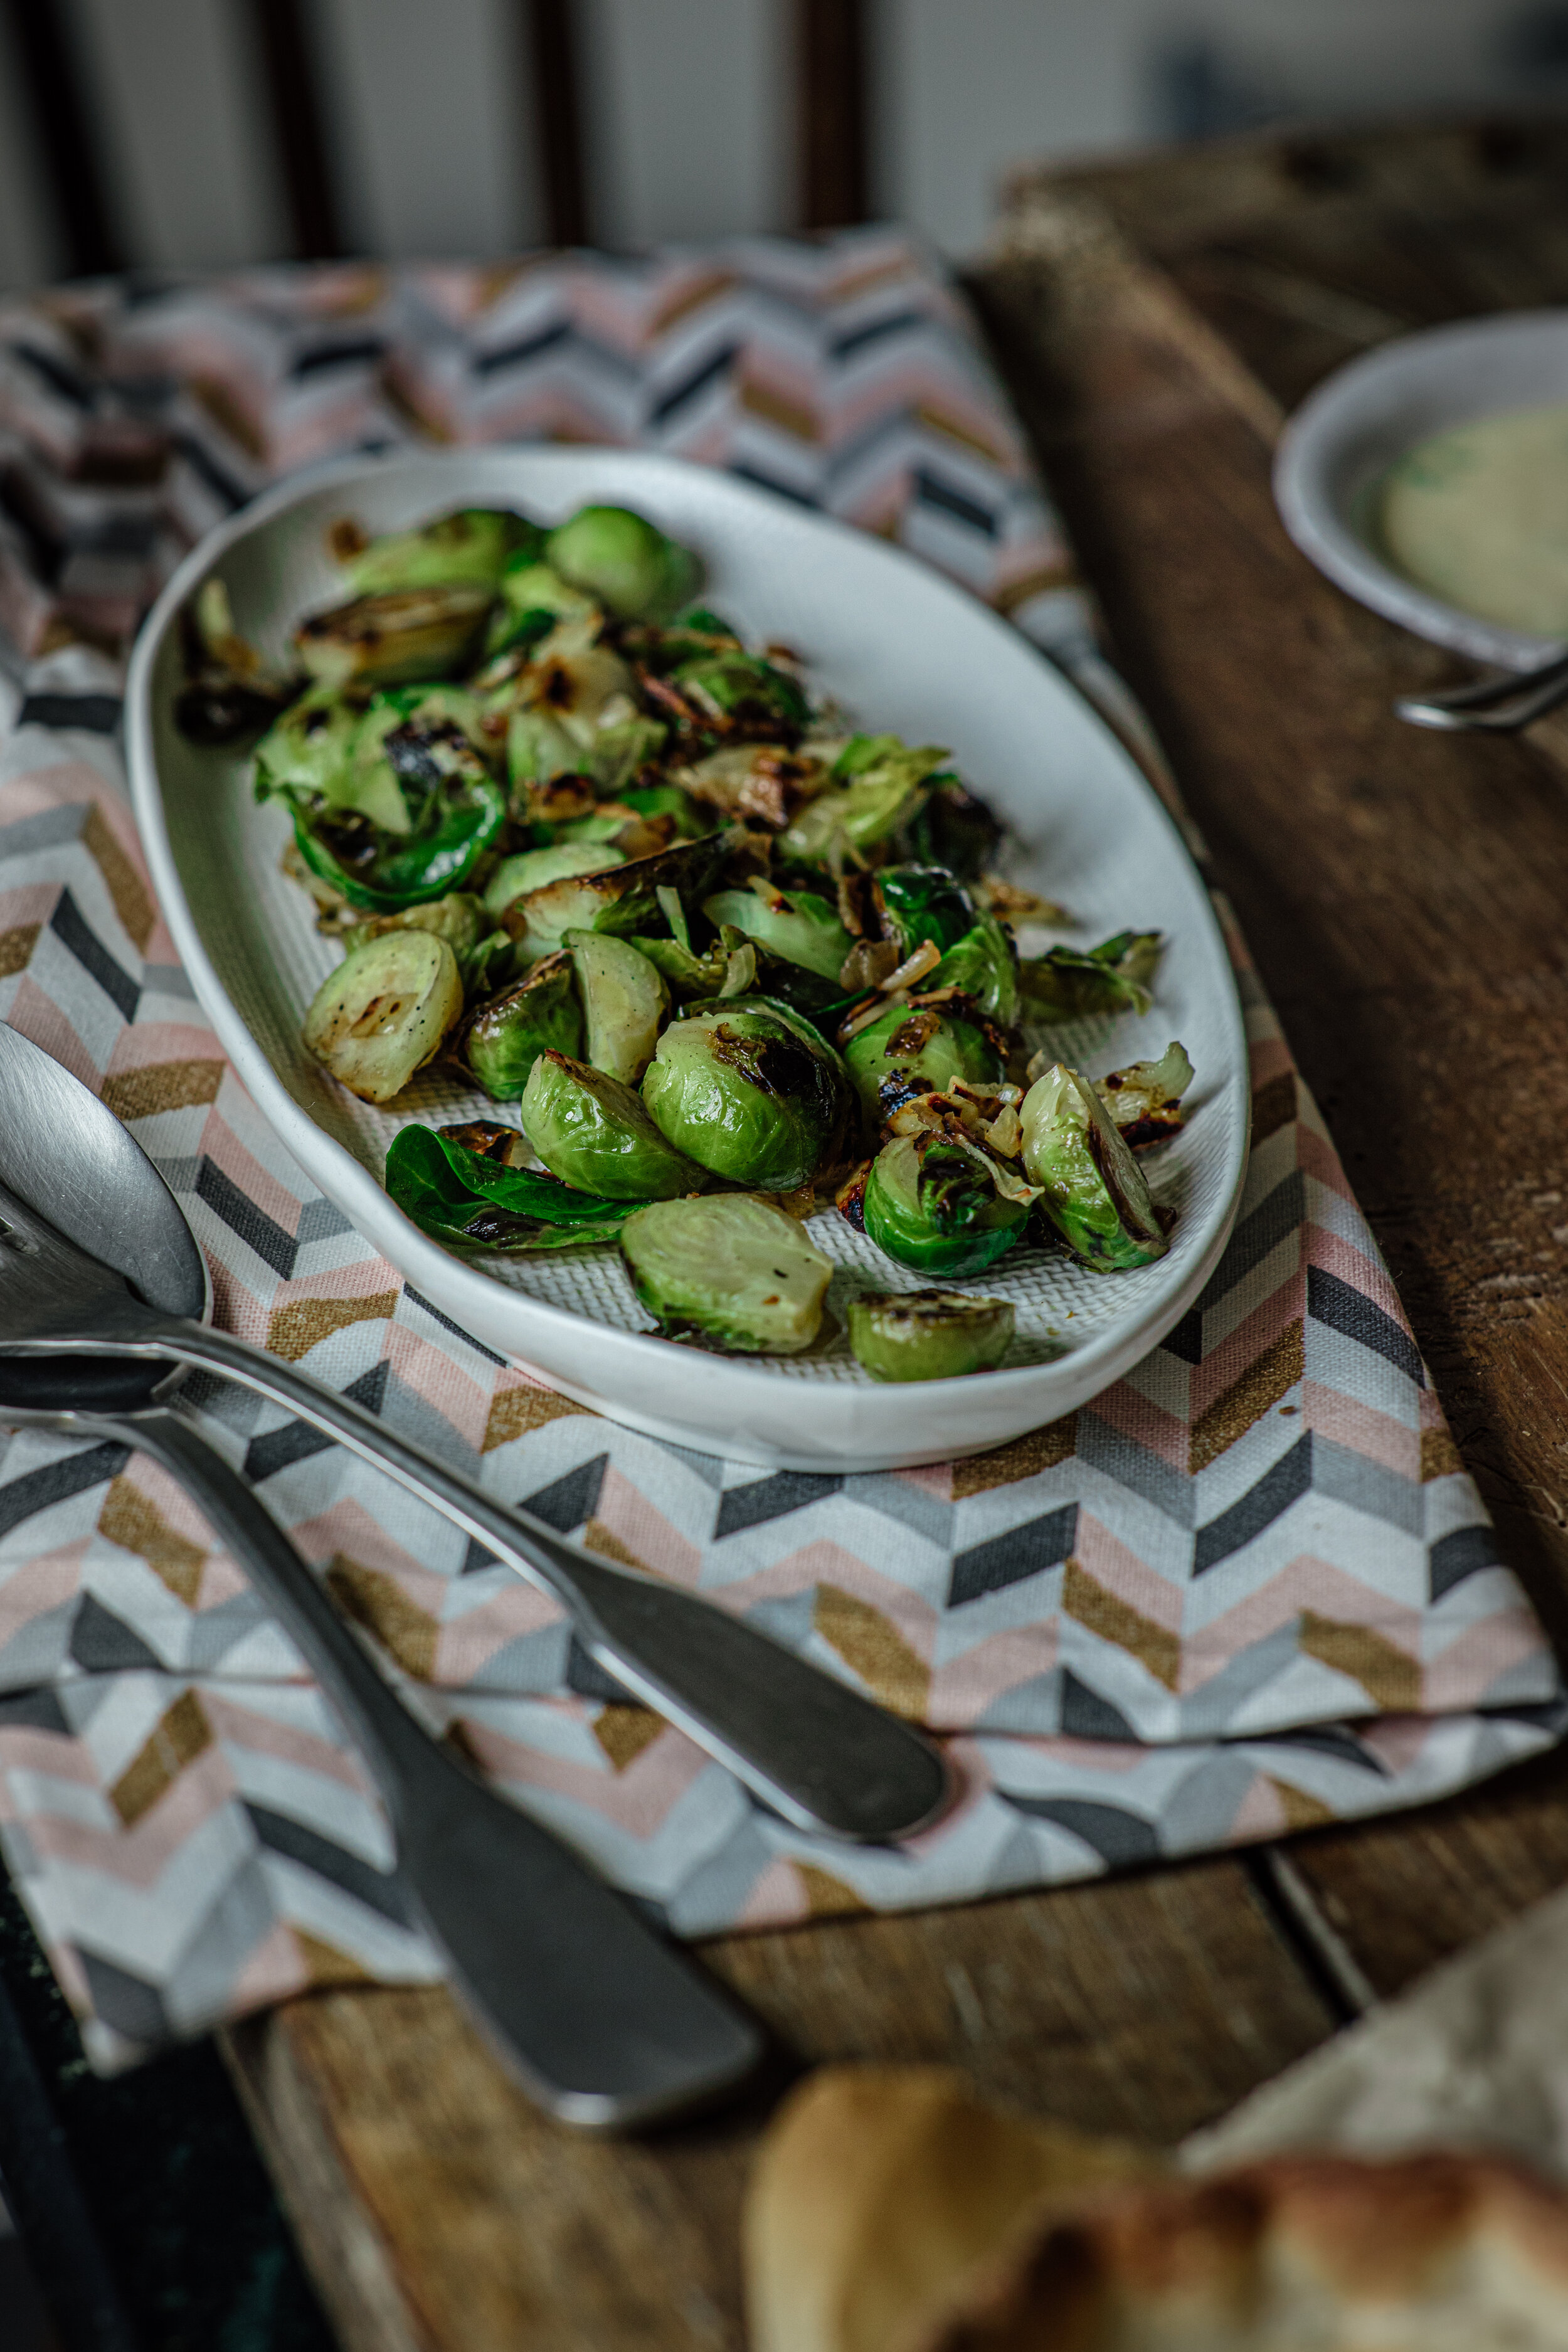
(1347, 426)
(749, 1412)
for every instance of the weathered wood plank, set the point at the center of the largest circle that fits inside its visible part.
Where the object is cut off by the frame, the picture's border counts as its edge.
(438, 2211)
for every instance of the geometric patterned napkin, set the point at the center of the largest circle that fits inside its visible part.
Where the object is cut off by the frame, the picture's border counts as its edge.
(1247, 1590)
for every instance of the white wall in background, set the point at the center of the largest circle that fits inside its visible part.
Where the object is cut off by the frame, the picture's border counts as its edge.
(690, 123)
(187, 163)
(430, 101)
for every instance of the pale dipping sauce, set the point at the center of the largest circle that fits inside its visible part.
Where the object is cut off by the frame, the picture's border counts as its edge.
(1479, 516)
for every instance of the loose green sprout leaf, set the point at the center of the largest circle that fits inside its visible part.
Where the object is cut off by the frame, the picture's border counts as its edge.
(750, 1091)
(1111, 978)
(744, 687)
(1145, 1099)
(924, 902)
(472, 545)
(591, 1131)
(309, 747)
(931, 1203)
(474, 1201)
(795, 924)
(910, 1051)
(984, 965)
(1091, 1187)
(764, 783)
(692, 820)
(530, 869)
(533, 599)
(407, 633)
(885, 779)
(952, 828)
(455, 810)
(385, 1013)
(502, 1038)
(380, 771)
(730, 1271)
(624, 1001)
(929, 1335)
(457, 918)
(624, 561)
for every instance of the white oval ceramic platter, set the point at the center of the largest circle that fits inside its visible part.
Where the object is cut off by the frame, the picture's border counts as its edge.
(1360, 420)
(898, 647)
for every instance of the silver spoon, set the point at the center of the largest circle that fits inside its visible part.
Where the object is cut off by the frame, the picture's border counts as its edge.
(601, 2020)
(820, 1753)
(1497, 706)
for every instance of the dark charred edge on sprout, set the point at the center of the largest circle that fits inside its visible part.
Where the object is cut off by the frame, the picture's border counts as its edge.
(851, 1198)
(774, 1066)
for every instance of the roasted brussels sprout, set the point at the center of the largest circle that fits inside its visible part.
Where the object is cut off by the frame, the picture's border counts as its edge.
(908, 1051)
(503, 1037)
(452, 808)
(763, 783)
(1091, 1187)
(228, 693)
(1114, 977)
(623, 898)
(931, 1203)
(728, 1270)
(533, 598)
(796, 924)
(1145, 1098)
(750, 1091)
(593, 1132)
(406, 632)
(385, 1013)
(477, 1199)
(530, 869)
(459, 918)
(471, 545)
(745, 689)
(928, 1335)
(624, 561)
(984, 965)
(878, 784)
(624, 1001)
(924, 902)
(310, 750)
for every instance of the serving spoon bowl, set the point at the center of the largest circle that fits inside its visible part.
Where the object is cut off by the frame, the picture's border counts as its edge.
(124, 1277)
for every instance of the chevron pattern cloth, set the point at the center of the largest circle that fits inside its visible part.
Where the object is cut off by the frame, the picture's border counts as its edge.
(1248, 1590)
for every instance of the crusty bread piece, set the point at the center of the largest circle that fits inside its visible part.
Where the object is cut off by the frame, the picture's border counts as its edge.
(878, 2186)
(1305, 2253)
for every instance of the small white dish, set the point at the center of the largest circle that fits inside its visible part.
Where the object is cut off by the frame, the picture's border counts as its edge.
(1346, 435)
(898, 647)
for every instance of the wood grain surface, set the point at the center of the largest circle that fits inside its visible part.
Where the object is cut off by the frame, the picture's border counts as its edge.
(1403, 896)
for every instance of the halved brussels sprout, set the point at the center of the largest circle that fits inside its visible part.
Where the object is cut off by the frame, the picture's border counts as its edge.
(622, 900)
(530, 869)
(764, 783)
(878, 783)
(729, 1270)
(910, 1051)
(453, 810)
(457, 918)
(385, 1013)
(931, 1203)
(406, 632)
(623, 559)
(472, 545)
(394, 757)
(591, 1131)
(744, 687)
(1145, 1098)
(795, 924)
(924, 902)
(1091, 1187)
(1114, 977)
(457, 1188)
(310, 746)
(984, 965)
(502, 1038)
(750, 1091)
(929, 1335)
(624, 1001)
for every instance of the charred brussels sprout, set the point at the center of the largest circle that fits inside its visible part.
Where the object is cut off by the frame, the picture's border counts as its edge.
(908, 1051)
(744, 687)
(984, 965)
(457, 919)
(459, 1189)
(931, 1205)
(452, 810)
(1091, 1187)
(877, 785)
(624, 561)
(385, 1011)
(929, 1335)
(1145, 1098)
(591, 1131)
(530, 869)
(619, 898)
(750, 1091)
(796, 924)
(406, 633)
(925, 902)
(470, 545)
(730, 1271)
(502, 1039)
(624, 1001)
(1063, 985)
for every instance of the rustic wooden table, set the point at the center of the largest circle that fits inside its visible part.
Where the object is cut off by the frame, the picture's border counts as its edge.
(1403, 894)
